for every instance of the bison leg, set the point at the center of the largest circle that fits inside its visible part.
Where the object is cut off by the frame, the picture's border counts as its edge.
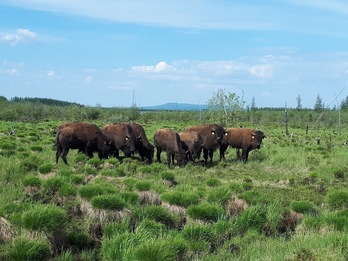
(245, 154)
(58, 152)
(211, 153)
(64, 153)
(205, 155)
(170, 156)
(223, 148)
(239, 157)
(159, 150)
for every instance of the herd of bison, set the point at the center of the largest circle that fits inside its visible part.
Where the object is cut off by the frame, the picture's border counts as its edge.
(131, 138)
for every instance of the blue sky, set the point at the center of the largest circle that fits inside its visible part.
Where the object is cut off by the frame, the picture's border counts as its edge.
(101, 52)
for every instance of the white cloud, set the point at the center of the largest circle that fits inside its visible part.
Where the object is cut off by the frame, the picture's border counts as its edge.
(51, 73)
(19, 36)
(12, 71)
(262, 71)
(88, 78)
(158, 68)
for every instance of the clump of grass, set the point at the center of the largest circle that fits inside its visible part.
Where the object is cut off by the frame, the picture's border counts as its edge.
(197, 233)
(67, 189)
(113, 229)
(45, 168)
(213, 182)
(338, 199)
(339, 174)
(91, 190)
(206, 212)
(131, 198)
(251, 218)
(304, 207)
(247, 185)
(53, 184)
(25, 249)
(120, 172)
(32, 180)
(169, 176)
(31, 163)
(79, 239)
(80, 158)
(154, 249)
(219, 196)
(36, 148)
(150, 226)
(110, 201)
(95, 162)
(143, 185)
(183, 199)
(161, 215)
(45, 218)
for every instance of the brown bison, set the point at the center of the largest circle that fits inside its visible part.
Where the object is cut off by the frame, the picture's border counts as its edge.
(212, 135)
(142, 145)
(122, 137)
(193, 143)
(85, 137)
(242, 138)
(169, 141)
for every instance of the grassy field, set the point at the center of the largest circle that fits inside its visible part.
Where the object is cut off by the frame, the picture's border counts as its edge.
(289, 202)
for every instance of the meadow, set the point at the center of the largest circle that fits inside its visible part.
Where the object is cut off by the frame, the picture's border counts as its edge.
(288, 202)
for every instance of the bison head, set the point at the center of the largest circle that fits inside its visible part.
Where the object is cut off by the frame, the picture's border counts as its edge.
(256, 139)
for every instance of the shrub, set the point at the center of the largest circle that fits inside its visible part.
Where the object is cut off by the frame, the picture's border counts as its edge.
(143, 185)
(44, 218)
(25, 249)
(304, 207)
(183, 199)
(45, 168)
(32, 180)
(92, 190)
(338, 199)
(206, 212)
(110, 201)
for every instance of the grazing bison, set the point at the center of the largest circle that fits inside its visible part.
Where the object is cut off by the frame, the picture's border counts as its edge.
(212, 135)
(193, 143)
(169, 141)
(85, 137)
(142, 145)
(122, 137)
(242, 138)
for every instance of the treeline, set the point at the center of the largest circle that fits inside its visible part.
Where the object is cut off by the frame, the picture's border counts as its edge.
(28, 111)
(46, 101)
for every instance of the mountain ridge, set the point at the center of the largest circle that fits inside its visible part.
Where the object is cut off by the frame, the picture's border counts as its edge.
(175, 106)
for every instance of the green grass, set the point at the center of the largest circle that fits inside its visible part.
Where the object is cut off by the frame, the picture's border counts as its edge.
(177, 213)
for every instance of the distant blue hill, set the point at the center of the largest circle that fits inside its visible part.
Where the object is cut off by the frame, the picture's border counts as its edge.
(173, 106)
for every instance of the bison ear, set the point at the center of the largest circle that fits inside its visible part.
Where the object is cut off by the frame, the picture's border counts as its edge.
(127, 138)
(253, 136)
(213, 132)
(139, 138)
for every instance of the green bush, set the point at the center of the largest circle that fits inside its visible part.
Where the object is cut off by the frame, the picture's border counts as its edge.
(32, 180)
(304, 207)
(338, 199)
(183, 199)
(25, 249)
(110, 201)
(206, 212)
(46, 218)
(45, 168)
(143, 185)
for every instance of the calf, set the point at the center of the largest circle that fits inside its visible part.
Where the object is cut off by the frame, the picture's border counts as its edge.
(242, 138)
(193, 143)
(169, 141)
